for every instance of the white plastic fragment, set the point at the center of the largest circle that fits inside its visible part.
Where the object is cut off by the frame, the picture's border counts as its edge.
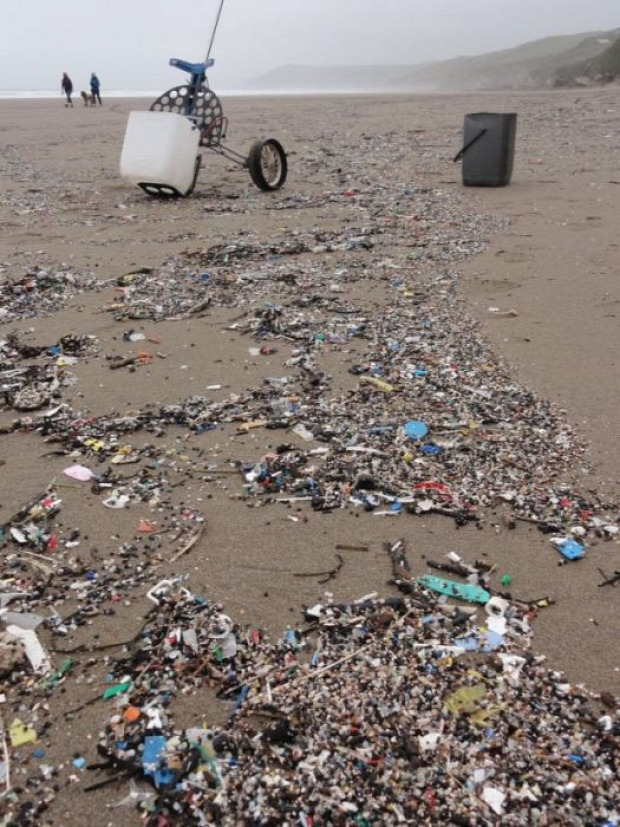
(513, 666)
(496, 607)
(163, 588)
(494, 798)
(116, 501)
(36, 654)
(430, 741)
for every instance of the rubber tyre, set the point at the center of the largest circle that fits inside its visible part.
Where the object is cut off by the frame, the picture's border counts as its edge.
(267, 164)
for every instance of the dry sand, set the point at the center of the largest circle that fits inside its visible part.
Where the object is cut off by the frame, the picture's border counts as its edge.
(555, 263)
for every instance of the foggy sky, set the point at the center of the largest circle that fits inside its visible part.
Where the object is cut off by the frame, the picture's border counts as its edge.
(128, 42)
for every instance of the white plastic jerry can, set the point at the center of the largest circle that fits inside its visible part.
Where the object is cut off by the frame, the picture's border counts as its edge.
(160, 153)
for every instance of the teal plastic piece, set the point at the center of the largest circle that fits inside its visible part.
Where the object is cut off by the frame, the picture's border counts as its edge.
(463, 591)
(117, 689)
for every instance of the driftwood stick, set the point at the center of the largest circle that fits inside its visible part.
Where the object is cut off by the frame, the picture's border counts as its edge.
(189, 545)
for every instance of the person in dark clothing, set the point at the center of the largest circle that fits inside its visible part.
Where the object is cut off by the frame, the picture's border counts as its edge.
(94, 89)
(66, 87)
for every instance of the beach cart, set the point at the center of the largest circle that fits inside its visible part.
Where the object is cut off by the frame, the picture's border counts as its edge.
(162, 147)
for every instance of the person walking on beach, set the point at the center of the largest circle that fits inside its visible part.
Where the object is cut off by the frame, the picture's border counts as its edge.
(95, 85)
(66, 87)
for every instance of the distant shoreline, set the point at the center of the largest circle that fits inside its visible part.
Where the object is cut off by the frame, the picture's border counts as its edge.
(132, 94)
(21, 97)
(237, 93)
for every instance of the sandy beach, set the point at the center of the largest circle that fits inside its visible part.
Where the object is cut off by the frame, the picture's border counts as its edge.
(534, 268)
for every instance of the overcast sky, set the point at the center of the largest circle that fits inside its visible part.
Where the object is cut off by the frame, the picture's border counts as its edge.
(129, 42)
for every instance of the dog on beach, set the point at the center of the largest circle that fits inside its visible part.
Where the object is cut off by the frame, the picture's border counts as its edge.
(88, 99)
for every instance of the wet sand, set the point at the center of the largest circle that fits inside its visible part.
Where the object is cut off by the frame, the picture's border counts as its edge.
(553, 261)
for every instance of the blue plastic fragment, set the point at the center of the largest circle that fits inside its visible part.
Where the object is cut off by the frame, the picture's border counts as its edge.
(571, 549)
(153, 762)
(483, 643)
(241, 697)
(415, 429)
(470, 644)
(290, 636)
(431, 449)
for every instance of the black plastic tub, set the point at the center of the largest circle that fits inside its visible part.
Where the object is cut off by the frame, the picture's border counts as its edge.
(488, 149)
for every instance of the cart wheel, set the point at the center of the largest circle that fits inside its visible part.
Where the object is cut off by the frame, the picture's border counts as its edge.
(267, 164)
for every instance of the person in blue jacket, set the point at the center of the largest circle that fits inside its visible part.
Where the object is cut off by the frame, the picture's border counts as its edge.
(94, 89)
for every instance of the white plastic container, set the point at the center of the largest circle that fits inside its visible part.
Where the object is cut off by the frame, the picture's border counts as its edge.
(160, 148)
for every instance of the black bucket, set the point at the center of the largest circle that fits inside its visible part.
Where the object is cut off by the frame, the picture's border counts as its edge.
(488, 149)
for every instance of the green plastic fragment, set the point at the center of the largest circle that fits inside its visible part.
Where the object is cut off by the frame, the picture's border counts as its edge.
(118, 689)
(49, 682)
(208, 756)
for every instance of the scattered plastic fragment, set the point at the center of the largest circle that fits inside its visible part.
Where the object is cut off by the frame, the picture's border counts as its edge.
(36, 654)
(415, 429)
(117, 689)
(134, 797)
(465, 699)
(56, 676)
(21, 734)
(79, 472)
(116, 501)
(153, 760)
(463, 591)
(569, 548)
(494, 798)
(380, 384)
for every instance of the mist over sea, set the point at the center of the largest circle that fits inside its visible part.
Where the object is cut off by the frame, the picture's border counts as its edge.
(224, 93)
(33, 94)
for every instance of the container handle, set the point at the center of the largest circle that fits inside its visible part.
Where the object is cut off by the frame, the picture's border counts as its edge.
(462, 152)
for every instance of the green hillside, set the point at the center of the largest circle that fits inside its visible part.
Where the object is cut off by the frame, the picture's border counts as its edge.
(604, 68)
(567, 60)
(531, 65)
